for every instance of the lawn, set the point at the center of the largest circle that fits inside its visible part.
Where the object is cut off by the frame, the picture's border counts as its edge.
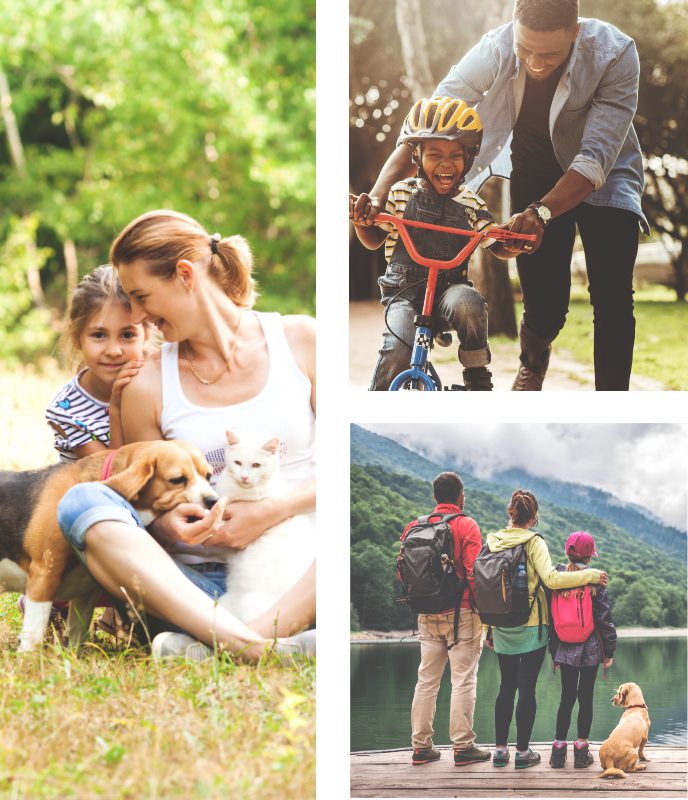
(113, 723)
(660, 340)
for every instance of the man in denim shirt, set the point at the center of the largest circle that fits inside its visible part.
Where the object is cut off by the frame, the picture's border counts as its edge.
(559, 96)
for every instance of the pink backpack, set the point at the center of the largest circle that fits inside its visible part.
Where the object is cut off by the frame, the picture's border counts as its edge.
(572, 614)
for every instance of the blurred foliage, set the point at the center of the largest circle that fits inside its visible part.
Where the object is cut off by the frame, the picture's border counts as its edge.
(205, 108)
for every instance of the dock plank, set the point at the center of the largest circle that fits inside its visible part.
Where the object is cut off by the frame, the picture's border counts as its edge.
(389, 773)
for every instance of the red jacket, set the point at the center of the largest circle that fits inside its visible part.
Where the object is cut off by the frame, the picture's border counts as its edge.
(467, 544)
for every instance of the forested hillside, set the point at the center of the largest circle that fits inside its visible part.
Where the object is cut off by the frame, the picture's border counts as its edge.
(371, 448)
(647, 586)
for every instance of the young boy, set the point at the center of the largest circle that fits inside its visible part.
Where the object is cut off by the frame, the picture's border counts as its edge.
(445, 135)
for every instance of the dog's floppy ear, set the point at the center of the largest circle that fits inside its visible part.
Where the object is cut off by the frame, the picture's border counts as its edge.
(131, 481)
(623, 694)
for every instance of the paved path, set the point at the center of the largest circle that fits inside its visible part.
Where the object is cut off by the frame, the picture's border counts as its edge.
(366, 323)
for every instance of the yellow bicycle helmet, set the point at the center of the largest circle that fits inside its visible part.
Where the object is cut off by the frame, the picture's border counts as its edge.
(444, 118)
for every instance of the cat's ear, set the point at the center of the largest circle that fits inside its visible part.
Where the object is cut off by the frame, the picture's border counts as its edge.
(272, 446)
(231, 438)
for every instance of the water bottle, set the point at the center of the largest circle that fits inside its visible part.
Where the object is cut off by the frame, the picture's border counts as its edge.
(521, 579)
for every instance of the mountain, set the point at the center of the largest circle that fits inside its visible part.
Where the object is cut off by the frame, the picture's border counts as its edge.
(371, 448)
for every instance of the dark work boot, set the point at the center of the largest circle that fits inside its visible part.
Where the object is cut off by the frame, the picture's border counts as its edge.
(582, 757)
(477, 379)
(530, 379)
(558, 758)
(535, 352)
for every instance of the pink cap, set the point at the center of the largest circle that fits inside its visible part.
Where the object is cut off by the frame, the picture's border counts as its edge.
(581, 544)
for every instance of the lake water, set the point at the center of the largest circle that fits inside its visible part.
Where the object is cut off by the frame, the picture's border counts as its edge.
(383, 677)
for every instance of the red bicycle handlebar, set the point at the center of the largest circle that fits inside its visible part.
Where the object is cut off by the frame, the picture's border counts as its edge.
(474, 237)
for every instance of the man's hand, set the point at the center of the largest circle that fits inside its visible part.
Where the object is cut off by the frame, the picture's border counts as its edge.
(608, 662)
(603, 579)
(527, 222)
(364, 208)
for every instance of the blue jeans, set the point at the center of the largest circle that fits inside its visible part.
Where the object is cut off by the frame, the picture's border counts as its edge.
(459, 307)
(86, 504)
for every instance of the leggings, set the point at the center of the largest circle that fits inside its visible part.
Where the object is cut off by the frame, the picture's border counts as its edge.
(576, 682)
(518, 672)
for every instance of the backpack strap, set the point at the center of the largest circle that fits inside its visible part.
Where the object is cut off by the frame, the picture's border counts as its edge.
(536, 597)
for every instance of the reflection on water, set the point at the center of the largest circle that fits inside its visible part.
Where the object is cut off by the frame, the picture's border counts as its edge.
(383, 677)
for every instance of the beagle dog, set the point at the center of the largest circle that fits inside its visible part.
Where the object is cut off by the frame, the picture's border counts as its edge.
(36, 559)
(623, 750)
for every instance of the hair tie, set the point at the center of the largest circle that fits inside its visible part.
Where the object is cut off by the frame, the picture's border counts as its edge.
(214, 239)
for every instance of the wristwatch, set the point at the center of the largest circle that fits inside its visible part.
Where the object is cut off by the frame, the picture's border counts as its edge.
(544, 214)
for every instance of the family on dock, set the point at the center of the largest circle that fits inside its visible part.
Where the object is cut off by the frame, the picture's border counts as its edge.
(466, 594)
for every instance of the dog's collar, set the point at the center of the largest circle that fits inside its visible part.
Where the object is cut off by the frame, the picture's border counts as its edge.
(106, 471)
(638, 705)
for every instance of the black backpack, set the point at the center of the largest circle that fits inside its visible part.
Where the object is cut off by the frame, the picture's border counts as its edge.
(426, 568)
(501, 600)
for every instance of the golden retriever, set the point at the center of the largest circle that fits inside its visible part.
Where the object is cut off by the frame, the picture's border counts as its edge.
(623, 750)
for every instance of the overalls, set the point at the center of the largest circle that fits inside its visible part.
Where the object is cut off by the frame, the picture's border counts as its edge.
(458, 306)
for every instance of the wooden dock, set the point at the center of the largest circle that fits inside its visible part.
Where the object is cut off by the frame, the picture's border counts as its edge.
(389, 773)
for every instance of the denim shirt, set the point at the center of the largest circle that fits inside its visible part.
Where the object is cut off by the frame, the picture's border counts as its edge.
(590, 119)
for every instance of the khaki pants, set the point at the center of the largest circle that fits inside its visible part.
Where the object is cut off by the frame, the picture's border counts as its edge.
(436, 632)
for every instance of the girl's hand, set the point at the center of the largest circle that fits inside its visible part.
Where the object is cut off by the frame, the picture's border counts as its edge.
(608, 662)
(489, 644)
(190, 523)
(124, 376)
(244, 522)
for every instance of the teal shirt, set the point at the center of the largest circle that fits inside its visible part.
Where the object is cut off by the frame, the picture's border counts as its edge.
(524, 639)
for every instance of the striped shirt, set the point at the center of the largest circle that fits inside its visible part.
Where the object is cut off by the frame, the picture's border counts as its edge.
(76, 419)
(476, 210)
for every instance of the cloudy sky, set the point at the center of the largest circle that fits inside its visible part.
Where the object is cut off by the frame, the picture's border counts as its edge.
(645, 464)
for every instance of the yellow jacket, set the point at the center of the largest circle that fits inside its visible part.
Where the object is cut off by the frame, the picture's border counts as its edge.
(539, 565)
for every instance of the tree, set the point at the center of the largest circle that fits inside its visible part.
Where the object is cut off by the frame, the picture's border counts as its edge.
(660, 30)
(207, 109)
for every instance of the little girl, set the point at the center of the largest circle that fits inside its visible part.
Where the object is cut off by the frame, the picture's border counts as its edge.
(101, 336)
(578, 662)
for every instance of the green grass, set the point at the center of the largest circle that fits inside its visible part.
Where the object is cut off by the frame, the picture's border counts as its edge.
(115, 724)
(111, 722)
(660, 339)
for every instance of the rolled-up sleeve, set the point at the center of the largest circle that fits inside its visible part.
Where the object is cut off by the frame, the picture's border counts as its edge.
(609, 118)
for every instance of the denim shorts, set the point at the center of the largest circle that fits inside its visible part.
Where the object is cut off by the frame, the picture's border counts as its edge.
(88, 503)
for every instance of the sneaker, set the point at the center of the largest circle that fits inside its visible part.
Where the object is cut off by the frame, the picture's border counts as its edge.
(530, 379)
(500, 758)
(477, 379)
(582, 757)
(470, 756)
(530, 759)
(558, 758)
(178, 645)
(302, 644)
(425, 755)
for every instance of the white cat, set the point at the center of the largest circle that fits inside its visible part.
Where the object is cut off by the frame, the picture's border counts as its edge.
(258, 575)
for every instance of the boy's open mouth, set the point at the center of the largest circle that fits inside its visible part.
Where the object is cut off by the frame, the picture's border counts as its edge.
(445, 181)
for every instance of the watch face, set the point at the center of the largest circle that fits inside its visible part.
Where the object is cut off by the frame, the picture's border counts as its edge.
(544, 213)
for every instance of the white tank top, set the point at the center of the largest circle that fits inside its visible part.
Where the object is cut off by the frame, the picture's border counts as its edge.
(282, 408)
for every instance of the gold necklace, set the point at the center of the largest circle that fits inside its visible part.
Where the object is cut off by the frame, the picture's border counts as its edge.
(189, 360)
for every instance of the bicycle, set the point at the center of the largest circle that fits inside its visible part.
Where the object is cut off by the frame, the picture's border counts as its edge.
(422, 375)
